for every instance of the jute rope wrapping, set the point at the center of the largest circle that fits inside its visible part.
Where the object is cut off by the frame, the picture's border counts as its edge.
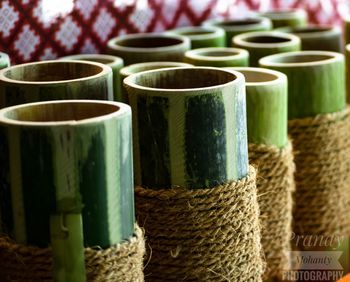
(275, 184)
(322, 157)
(122, 263)
(208, 234)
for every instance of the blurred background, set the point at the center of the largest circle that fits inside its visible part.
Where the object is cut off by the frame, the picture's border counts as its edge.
(32, 30)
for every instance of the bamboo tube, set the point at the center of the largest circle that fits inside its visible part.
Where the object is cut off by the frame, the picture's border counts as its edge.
(261, 44)
(313, 76)
(55, 80)
(68, 157)
(189, 127)
(136, 68)
(317, 37)
(148, 47)
(202, 36)
(288, 17)
(235, 27)
(266, 93)
(4, 60)
(114, 62)
(346, 30)
(347, 72)
(217, 57)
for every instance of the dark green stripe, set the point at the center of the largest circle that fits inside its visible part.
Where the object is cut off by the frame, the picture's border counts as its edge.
(6, 217)
(37, 184)
(126, 178)
(94, 193)
(153, 132)
(205, 141)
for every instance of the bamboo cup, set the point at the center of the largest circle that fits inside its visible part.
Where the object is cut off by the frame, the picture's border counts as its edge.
(114, 62)
(55, 80)
(202, 36)
(286, 17)
(238, 26)
(148, 47)
(315, 81)
(217, 57)
(317, 37)
(261, 44)
(189, 127)
(69, 165)
(136, 68)
(4, 60)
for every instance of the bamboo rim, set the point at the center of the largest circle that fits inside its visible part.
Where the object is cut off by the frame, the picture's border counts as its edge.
(312, 31)
(101, 111)
(204, 32)
(139, 67)
(284, 14)
(233, 78)
(108, 60)
(97, 70)
(178, 42)
(260, 76)
(208, 54)
(242, 40)
(240, 24)
(304, 59)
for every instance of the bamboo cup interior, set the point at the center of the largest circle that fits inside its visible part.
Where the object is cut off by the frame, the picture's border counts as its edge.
(218, 53)
(136, 68)
(52, 71)
(183, 78)
(252, 76)
(148, 42)
(196, 32)
(310, 29)
(239, 22)
(58, 112)
(266, 39)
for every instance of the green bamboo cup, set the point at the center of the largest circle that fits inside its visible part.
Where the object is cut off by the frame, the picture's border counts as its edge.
(148, 47)
(266, 92)
(4, 60)
(316, 82)
(235, 27)
(217, 57)
(55, 80)
(189, 127)
(346, 30)
(114, 62)
(71, 156)
(136, 68)
(286, 17)
(264, 43)
(317, 37)
(202, 36)
(347, 72)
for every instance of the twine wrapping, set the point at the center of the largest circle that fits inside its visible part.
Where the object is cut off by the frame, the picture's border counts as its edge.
(275, 184)
(122, 263)
(204, 234)
(322, 157)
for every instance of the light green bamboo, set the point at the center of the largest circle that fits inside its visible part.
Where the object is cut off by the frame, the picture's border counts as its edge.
(136, 68)
(202, 36)
(217, 57)
(67, 248)
(55, 80)
(114, 62)
(264, 43)
(316, 82)
(238, 26)
(148, 47)
(185, 119)
(4, 60)
(317, 37)
(267, 118)
(287, 17)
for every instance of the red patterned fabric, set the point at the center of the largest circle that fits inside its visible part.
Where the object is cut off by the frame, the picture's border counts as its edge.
(45, 29)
